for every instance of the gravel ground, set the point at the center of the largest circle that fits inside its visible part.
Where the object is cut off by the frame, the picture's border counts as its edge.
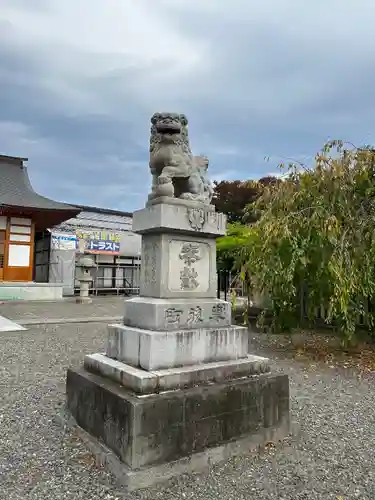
(330, 454)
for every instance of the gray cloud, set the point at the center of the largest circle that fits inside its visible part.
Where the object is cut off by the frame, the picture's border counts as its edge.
(273, 79)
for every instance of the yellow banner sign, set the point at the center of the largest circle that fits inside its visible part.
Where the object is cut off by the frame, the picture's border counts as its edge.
(102, 235)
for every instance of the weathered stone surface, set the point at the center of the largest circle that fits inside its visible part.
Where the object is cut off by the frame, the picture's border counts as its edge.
(175, 266)
(139, 381)
(124, 341)
(175, 171)
(148, 382)
(153, 350)
(150, 430)
(167, 200)
(173, 314)
(184, 217)
(134, 479)
(176, 380)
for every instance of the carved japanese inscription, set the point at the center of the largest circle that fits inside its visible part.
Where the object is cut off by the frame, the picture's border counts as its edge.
(218, 312)
(188, 276)
(194, 316)
(149, 257)
(190, 253)
(172, 316)
(189, 266)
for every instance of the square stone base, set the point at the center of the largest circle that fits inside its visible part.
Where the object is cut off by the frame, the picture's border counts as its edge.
(145, 382)
(151, 431)
(145, 477)
(158, 350)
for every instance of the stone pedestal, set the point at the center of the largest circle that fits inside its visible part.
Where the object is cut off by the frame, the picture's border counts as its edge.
(163, 434)
(84, 288)
(176, 381)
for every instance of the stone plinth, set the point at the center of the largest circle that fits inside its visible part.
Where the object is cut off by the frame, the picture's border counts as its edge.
(176, 383)
(168, 314)
(145, 431)
(153, 350)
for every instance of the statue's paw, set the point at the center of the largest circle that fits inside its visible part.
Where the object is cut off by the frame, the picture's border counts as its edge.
(166, 189)
(164, 180)
(189, 196)
(185, 196)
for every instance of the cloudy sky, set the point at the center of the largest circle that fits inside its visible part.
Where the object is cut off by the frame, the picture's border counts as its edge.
(80, 79)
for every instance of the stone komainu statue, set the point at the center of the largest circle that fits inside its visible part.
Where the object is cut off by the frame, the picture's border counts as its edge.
(176, 172)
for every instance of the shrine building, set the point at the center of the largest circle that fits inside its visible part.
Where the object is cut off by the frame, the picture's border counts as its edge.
(23, 213)
(39, 240)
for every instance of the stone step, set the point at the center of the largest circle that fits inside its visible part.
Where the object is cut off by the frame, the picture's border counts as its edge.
(157, 350)
(148, 382)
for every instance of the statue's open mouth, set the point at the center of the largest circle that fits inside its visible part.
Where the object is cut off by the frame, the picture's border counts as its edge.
(168, 128)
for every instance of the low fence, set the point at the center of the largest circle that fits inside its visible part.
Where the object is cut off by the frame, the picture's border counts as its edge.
(229, 286)
(114, 279)
(124, 280)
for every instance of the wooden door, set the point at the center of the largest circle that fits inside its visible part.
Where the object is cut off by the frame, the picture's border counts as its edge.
(2, 254)
(19, 250)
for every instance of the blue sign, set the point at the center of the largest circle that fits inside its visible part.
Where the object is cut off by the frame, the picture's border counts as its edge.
(103, 246)
(63, 241)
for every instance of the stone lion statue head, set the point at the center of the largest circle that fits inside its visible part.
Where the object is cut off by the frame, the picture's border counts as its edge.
(167, 128)
(168, 123)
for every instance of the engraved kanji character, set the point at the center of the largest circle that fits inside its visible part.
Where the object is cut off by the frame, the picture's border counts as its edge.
(189, 253)
(172, 316)
(218, 312)
(188, 279)
(194, 315)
